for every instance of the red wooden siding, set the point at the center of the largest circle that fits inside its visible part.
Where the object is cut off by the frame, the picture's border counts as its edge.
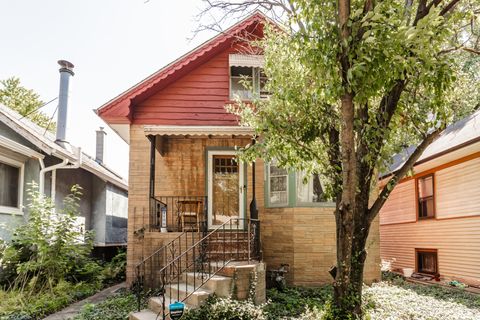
(198, 98)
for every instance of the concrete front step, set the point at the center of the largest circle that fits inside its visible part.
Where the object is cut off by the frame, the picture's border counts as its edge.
(221, 285)
(144, 315)
(155, 304)
(178, 292)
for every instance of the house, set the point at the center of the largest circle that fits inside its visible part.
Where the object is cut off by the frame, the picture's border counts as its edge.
(184, 172)
(431, 221)
(29, 153)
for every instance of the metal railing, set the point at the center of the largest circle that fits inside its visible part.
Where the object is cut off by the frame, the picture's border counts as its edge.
(235, 240)
(175, 213)
(146, 272)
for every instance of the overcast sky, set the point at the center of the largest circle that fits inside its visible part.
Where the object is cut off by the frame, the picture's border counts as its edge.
(112, 43)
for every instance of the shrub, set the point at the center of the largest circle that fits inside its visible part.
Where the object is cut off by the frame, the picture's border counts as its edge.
(226, 309)
(16, 305)
(49, 246)
(293, 302)
(115, 270)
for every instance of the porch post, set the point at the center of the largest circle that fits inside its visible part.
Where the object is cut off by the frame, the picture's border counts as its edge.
(153, 214)
(253, 203)
(254, 216)
(152, 165)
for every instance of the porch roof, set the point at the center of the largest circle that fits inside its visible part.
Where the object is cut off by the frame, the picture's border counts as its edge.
(197, 130)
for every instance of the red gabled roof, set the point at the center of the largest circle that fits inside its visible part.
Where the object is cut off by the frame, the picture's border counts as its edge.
(118, 110)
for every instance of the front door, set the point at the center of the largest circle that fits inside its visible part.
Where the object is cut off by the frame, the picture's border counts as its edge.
(225, 189)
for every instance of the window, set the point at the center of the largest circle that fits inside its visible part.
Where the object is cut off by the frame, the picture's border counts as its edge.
(426, 199)
(11, 178)
(312, 191)
(427, 261)
(278, 185)
(292, 189)
(245, 79)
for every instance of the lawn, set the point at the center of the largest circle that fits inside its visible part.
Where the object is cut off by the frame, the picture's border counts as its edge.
(387, 300)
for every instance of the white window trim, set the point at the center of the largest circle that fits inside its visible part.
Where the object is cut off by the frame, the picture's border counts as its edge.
(269, 186)
(15, 163)
(256, 79)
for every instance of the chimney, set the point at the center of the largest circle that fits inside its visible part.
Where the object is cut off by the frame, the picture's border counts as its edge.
(66, 70)
(100, 145)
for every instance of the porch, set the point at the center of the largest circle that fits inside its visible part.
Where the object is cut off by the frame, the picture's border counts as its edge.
(196, 182)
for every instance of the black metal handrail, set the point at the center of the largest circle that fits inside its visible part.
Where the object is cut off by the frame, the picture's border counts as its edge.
(235, 240)
(166, 212)
(145, 271)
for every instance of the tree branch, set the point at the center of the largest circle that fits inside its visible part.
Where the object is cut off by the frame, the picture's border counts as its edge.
(471, 50)
(449, 7)
(400, 174)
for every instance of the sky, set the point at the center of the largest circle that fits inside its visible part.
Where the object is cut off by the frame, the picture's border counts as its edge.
(113, 44)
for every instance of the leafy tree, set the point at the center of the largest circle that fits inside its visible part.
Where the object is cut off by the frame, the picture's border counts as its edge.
(25, 101)
(352, 83)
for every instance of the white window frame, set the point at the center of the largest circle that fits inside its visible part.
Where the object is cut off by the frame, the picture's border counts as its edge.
(21, 166)
(299, 203)
(269, 187)
(256, 80)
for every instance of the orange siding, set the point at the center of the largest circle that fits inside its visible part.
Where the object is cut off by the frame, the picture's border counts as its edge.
(400, 206)
(458, 190)
(454, 231)
(457, 241)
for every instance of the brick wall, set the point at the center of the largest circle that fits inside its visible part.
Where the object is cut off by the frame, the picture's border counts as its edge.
(304, 238)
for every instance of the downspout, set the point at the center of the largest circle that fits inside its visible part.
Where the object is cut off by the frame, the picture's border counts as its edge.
(65, 164)
(47, 169)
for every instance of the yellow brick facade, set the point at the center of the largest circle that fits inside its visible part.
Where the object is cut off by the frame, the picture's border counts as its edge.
(303, 238)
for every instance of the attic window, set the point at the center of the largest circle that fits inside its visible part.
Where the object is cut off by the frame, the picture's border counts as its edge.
(247, 80)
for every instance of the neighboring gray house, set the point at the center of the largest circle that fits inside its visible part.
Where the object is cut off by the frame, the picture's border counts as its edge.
(29, 153)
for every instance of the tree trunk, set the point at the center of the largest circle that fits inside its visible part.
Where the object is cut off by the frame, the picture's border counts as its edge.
(347, 298)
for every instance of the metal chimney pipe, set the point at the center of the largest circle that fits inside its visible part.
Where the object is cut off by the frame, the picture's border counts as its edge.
(66, 71)
(100, 145)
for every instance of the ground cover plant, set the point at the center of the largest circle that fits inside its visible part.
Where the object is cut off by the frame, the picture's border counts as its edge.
(47, 264)
(394, 298)
(116, 307)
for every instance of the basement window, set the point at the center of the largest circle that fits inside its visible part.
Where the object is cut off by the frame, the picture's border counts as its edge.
(427, 261)
(426, 197)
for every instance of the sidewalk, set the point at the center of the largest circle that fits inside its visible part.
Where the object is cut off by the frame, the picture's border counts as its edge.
(72, 310)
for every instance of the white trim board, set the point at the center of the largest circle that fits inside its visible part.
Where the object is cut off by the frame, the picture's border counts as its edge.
(21, 166)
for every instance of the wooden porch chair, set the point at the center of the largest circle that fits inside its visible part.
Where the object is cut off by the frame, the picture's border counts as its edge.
(190, 213)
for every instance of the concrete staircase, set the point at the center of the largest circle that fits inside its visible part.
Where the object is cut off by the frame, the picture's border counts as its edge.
(220, 255)
(219, 284)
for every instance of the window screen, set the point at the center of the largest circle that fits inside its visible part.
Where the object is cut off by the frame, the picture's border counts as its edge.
(426, 204)
(427, 261)
(9, 185)
(278, 185)
(311, 191)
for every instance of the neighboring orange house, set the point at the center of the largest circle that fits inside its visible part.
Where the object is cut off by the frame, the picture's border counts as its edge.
(431, 222)
(184, 175)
